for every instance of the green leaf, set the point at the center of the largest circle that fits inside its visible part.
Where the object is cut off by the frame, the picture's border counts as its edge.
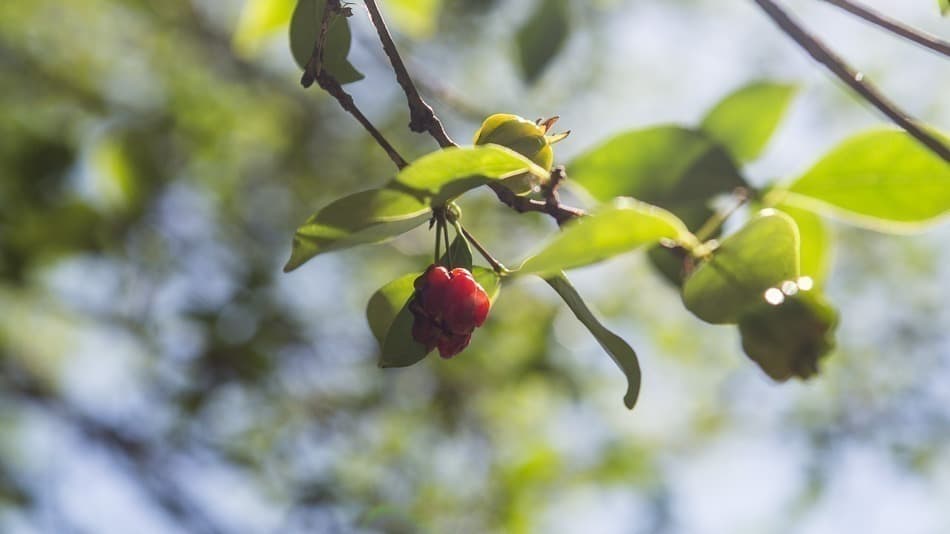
(399, 348)
(884, 180)
(815, 250)
(761, 255)
(366, 217)
(446, 174)
(789, 338)
(541, 37)
(489, 280)
(386, 302)
(620, 227)
(304, 31)
(618, 349)
(745, 120)
(459, 254)
(668, 166)
(944, 6)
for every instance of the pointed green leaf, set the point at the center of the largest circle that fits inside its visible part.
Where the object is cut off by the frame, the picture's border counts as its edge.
(884, 179)
(618, 349)
(541, 37)
(745, 120)
(761, 255)
(669, 166)
(459, 254)
(304, 31)
(620, 227)
(815, 250)
(366, 217)
(446, 174)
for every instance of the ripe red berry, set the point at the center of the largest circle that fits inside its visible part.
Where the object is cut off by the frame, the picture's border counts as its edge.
(447, 307)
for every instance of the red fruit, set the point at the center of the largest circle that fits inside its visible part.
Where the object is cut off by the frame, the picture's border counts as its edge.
(447, 307)
(453, 344)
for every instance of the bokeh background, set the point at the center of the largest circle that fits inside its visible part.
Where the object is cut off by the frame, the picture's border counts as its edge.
(159, 374)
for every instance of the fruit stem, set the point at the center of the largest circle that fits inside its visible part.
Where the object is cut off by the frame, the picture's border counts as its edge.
(741, 196)
(495, 264)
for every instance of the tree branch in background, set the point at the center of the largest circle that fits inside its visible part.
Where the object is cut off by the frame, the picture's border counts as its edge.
(852, 78)
(912, 34)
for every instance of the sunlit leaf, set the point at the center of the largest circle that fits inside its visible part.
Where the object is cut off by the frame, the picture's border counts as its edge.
(304, 31)
(761, 255)
(541, 37)
(446, 174)
(489, 280)
(884, 179)
(944, 6)
(789, 338)
(618, 349)
(624, 225)
(366, 217)
(815, 250)
(745, 120)
(669, 166)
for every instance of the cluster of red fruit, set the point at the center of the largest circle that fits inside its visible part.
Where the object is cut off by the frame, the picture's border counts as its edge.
(447, 307)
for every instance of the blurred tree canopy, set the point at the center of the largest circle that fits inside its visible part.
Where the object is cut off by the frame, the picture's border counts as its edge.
(159, 372)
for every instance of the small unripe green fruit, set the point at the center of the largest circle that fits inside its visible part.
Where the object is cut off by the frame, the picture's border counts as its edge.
(525, 137)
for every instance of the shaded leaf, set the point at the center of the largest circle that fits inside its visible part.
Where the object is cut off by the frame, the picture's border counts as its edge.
(668, 166)
(446, 174)
(386, 303)
(620, 227)
(304, 31)
(366, 217)
(399, 348)
(760, 256)
(788, 339)
(884, 180)
(618, 349)
(459, 254)
(541, 37)
(745, 120)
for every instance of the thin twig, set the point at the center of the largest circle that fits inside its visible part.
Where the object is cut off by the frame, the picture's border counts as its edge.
(741, 196)
(853, 78)
(315, 65)
(421, 116)
(495, 264)
(895, 26)
(330, 85)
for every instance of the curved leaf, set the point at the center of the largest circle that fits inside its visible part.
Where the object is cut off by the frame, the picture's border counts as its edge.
(618, 349)
(304, 31)
(621, 227)
(386, 302)
(760, 256)
(445, 174)
(815, 250)
(541, 37)
(745, 120)
(366, 217)
(399, 349)
(882, 179)
(669, 166)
